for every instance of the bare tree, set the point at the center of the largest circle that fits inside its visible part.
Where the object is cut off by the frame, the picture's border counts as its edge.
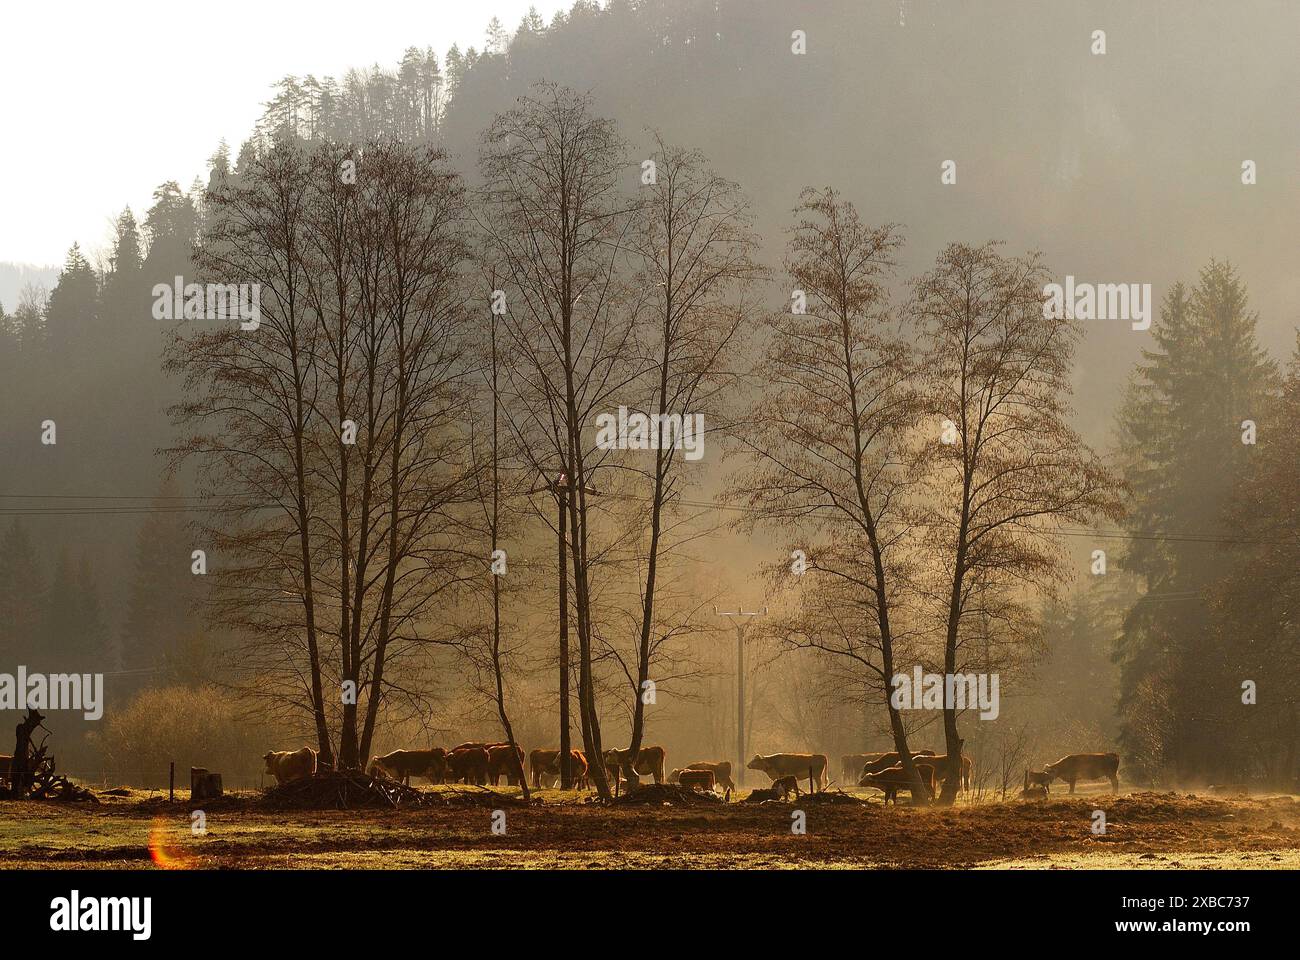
(694, 247)
(1005, 467)
(349, 391)
(555, 225)
(251, 403)
(826, 446)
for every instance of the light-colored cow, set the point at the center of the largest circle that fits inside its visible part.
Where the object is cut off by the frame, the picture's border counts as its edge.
(288, 765)
(777, 765)
(404, 764)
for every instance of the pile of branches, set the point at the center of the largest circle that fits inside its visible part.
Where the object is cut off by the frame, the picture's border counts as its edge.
(343, 790)
(355, 790)
(665, 794)
(833, 797)
(824, 798)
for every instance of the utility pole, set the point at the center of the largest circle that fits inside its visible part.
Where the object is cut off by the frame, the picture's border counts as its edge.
(559, 487)
(741, 619)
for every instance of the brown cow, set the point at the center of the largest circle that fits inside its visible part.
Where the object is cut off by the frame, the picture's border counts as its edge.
(289, 765)
(545, 767)
(501, 759)
(469, 764)
(884, 761)
(941, 770)
(649, 760)
(851, 764)
(1043, 780)
(892, 779)
(799, 765)
(785, 786)
(696, 779)
(404, 764)
(1085, 766)
(541, 761)
(721, 772)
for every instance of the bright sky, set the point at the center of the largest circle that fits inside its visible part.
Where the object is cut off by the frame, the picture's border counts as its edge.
(104, 101)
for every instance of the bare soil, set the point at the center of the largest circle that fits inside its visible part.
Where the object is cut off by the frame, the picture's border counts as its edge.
(1143, 830)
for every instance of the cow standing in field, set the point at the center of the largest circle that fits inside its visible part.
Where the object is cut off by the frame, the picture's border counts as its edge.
(892, 779)
(851, 765)
(404, 764)
(501, 759)
(941, 769)
(544, 766)
(540, 763)
(883, 761)
(798, 765)
(288, 765)
(696, 779)
(1085, 766)
(469, 764)
(721, 771)
(649, 760)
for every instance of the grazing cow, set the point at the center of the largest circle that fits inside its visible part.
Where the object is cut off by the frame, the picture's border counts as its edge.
(883, 761)
(799, 765)
(289, 765)
(472, 745)
(721, 772)
(541, 762)
(501, 759)
(545, 767)
(649, 760)
(853, 765)
(941, 770)
(579, 768)
(1043, 780)
(1085, 766)
(404, 764)
(696, 779)
(785, 786)
(893, 779)
(469, 764)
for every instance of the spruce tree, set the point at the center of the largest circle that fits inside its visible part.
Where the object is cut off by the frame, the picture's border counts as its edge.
(1180, 442)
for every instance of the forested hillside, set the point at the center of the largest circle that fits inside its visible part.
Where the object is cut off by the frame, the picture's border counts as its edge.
(1053, 154)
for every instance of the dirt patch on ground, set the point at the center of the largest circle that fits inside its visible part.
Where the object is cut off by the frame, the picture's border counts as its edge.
(1156, 830)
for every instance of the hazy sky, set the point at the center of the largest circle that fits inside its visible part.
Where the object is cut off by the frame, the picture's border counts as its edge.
(92, 122)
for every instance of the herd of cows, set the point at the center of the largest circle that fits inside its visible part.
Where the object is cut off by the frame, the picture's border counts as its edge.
(483, 763)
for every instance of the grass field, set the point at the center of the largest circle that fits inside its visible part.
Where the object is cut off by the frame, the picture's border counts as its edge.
(1144, 830)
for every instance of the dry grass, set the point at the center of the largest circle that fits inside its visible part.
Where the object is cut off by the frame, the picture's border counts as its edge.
(1145, 830)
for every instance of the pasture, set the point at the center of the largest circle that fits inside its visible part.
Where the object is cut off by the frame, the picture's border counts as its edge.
(560, 830)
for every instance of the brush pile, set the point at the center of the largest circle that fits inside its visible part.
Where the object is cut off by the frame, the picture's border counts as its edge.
(665, 794)
(344, 790)
(355, 790)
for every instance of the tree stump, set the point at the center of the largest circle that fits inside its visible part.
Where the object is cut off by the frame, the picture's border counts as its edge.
(204, 785)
